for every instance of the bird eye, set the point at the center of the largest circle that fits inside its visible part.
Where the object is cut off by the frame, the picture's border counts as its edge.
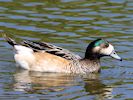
(106, 45)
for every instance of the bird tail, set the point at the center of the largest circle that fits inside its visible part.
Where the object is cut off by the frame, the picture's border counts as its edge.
(9, 40)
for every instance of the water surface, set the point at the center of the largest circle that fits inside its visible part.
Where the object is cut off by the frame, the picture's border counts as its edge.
(71, 24)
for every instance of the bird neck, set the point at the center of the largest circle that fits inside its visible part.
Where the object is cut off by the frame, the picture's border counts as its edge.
(90, 65)
(91, 56)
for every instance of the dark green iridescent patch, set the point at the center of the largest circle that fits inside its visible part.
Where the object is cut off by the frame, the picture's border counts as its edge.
(99, 42)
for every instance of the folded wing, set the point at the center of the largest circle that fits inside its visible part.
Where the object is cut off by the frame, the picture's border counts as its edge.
(52, 49)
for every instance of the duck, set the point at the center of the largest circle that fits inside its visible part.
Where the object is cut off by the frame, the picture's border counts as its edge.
(46, 57)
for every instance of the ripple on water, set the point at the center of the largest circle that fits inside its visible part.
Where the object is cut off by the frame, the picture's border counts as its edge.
(71, 24)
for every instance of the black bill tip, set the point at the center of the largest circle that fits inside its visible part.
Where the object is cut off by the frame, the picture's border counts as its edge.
(120, 59)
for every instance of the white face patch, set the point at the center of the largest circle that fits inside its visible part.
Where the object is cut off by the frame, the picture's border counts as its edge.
(108, 50)
(96, 49)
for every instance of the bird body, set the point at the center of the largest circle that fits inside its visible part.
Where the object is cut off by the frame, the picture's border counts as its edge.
(45, 57)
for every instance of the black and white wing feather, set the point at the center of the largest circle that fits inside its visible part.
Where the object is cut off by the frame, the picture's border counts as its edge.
(52, 49)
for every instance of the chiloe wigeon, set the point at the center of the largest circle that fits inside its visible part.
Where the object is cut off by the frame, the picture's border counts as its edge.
(45, 57)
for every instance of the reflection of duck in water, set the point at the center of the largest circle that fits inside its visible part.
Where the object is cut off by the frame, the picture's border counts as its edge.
(44, 57)
(95, 87)
(37, 80)
(57, 82)
(101, 91)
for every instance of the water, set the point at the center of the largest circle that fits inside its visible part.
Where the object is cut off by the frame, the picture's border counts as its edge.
(68, 23)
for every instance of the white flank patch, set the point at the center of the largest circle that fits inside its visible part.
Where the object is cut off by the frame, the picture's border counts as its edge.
(22, 49)
(23, 56)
